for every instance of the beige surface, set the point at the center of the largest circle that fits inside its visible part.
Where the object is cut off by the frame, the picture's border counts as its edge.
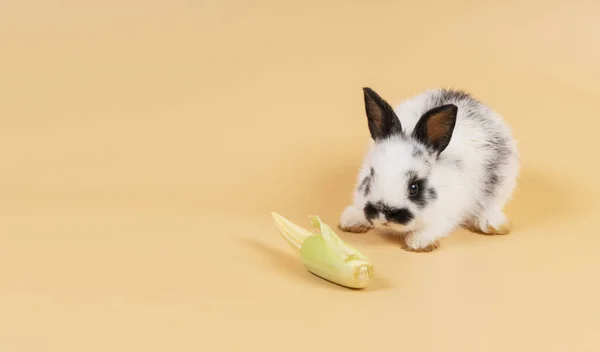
(144, 143)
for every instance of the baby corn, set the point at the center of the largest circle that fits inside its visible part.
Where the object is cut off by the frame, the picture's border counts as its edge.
(325, 254)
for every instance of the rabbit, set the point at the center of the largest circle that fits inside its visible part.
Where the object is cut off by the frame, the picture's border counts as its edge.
(438, 161)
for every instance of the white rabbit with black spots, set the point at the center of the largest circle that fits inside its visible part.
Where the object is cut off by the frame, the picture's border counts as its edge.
(438, 161)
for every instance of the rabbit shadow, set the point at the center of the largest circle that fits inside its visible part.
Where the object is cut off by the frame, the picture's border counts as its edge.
(540, 199)
(290, 265)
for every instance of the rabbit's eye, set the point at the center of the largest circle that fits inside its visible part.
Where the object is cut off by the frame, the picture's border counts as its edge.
(416, 187)
(413, 189)
(418, 192)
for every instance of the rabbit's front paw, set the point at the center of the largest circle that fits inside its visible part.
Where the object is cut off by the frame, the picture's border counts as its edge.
(416, 243)
(353, 220)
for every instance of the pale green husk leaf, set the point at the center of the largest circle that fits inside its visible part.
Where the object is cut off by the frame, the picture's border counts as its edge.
(325, 254)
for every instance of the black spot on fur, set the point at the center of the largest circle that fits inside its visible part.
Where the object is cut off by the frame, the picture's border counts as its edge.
(459, 164)
(449, 96)
(500, 154)
(492, 177)
(365, 185)
(431, 194)
(411, 175)
(425, 194)
(420, 199)
(417, 152)
(370, 211)
(401, 216)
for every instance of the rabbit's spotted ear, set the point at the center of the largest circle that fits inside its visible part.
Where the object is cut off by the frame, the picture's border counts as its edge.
(436, 126)
(382, 120)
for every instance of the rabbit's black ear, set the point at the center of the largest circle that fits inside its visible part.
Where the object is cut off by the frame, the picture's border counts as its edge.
(436, 126)
(382, 120)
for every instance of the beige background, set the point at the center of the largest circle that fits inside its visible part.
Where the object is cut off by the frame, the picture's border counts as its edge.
(144, 143)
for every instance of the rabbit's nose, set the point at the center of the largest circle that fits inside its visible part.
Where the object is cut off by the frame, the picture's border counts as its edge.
(382, 219)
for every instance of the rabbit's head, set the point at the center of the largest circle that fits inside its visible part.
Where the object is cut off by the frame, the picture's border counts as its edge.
(396, 189)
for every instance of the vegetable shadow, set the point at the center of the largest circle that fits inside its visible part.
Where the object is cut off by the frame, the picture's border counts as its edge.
(289, 265)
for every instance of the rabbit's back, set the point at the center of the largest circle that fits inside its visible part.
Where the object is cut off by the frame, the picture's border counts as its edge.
(482, 149)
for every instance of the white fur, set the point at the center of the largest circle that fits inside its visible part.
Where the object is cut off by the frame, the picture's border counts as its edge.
(460, 189)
